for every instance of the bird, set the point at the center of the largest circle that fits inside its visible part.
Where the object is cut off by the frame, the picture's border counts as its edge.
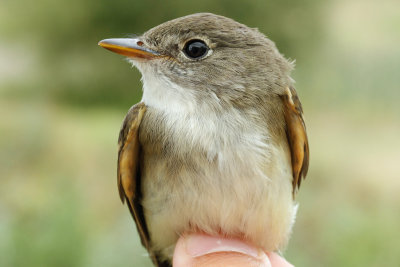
(218, 143)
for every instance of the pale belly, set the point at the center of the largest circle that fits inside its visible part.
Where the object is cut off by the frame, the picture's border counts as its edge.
(235, 194)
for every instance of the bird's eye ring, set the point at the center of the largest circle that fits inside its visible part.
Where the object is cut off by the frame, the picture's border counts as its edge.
(195, 49)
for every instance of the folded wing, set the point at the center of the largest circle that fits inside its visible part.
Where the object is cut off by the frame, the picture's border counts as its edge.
(296, 136)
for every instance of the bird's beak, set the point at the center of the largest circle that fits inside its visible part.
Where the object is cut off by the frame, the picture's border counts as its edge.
(128, 47)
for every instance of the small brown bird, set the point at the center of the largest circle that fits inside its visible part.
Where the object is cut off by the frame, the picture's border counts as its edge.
(218, 143)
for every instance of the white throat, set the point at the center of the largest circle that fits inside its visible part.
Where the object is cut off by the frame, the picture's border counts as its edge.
(161, 93)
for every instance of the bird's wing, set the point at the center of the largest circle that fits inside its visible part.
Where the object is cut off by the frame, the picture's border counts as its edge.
(129, 156)
(296, 136)
(128, 168)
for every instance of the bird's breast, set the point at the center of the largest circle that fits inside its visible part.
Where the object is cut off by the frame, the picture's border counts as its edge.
(208, 172)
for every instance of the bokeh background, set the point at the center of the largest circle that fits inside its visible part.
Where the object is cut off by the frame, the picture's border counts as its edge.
(62, 99)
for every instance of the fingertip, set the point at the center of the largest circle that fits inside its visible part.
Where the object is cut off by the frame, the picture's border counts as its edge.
(278, 261)
(204, 250)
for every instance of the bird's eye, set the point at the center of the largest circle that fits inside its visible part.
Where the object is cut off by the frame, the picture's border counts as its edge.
(195, 49)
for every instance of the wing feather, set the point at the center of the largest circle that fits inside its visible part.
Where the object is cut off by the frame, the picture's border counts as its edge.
(129, 176)
(296, 135)
(128, 168)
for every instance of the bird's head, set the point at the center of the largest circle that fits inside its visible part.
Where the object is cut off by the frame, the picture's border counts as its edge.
(204, 58)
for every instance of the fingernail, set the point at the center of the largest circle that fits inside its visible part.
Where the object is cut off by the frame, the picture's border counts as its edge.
(199, 245)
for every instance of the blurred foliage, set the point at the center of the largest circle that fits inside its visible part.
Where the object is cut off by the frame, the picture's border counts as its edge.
(62, 99)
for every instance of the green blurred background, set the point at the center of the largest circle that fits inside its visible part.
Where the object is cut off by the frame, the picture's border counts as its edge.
(62, 99)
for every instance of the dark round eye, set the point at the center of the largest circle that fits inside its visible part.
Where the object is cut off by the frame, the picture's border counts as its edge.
(195, 49)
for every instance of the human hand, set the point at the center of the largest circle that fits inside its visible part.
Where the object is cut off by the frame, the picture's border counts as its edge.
(203, 250)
